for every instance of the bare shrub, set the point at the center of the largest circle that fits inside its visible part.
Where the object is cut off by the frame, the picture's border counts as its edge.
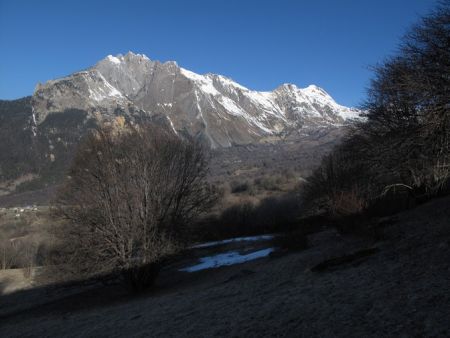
(8, 254)
(275, 213)
(19, 252)
(128, 202)
(272, 214)
(241, 186)
(394, 198)
(405, 137)
(270, 183)
(237, 217)
(345, 203)
(28, 257)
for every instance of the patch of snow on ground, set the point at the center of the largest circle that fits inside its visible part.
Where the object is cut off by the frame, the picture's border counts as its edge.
(232, 240)
(225, 259)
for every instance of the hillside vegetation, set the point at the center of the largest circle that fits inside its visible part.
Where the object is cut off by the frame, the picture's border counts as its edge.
(400, 153)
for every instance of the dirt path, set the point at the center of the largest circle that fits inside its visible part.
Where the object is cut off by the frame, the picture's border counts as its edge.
(400, 289)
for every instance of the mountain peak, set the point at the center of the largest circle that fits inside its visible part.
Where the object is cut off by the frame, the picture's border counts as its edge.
(128, 57)
(115, 59)
(316, 90)
(209, 105)
(131, 55)
(288, 86)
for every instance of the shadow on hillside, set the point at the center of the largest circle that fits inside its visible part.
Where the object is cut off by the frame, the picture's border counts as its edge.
(68, 297)
(58, 298)
(3, 284)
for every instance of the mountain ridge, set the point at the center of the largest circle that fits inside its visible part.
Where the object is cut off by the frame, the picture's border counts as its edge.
(38, 134)
(212, 105)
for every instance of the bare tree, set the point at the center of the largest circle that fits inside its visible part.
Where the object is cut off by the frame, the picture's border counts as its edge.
(8, 254)
(128, 202)
(408, 105)
(405, 139)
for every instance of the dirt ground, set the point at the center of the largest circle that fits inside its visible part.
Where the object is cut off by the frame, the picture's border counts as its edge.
(400, 290)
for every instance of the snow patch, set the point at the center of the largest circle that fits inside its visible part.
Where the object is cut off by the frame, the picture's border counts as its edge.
(311, 101)
(103, 90)
(227, 258)
(319, 96)
(227, 82)
(204, 82)
(231, 106)
(171, 124)
(34, 122)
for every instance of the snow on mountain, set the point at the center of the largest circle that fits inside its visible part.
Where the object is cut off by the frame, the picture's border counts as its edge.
(205, 82)
(210, 106)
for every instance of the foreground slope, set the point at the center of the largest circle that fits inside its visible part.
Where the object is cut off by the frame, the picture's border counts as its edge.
(400, 290)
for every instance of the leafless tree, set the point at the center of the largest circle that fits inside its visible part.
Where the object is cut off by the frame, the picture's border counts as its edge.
(128, 202)
(8, 254)
(18, 252)
(408, 105)
(405, 139)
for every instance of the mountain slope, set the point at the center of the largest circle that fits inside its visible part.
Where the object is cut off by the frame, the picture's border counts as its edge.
(39, 134)
(211, 106)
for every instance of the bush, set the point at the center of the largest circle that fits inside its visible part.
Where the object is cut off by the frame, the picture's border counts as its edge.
(240, 187)
(346, 203)
(269, 183)
(127, 204)
(238, 215)
(272, 214)
(18, 253)
(405, 137)
(393, 199)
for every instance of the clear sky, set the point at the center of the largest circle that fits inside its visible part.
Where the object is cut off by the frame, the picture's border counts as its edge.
(260, 44)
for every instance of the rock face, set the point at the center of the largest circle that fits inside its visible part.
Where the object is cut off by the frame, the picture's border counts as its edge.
(209, 106)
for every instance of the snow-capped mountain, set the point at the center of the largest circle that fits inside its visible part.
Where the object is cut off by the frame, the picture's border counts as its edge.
(211, 106)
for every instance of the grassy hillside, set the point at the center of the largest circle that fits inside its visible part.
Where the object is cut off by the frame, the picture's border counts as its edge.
(398, 289)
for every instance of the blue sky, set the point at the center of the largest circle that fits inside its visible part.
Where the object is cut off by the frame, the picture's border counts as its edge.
(260, 44)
